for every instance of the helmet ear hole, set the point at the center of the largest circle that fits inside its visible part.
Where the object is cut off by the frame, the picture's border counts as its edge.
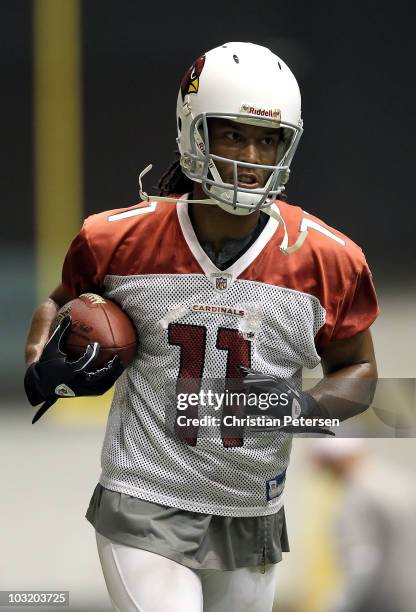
(179, 124)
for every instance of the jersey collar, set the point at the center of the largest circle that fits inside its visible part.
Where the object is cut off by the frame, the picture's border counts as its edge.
(208, 266)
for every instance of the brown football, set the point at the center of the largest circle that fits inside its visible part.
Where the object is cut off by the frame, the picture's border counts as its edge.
(97, 319)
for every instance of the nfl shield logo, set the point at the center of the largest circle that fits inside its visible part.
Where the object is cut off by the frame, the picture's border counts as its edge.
(221, 283)
(221, 280)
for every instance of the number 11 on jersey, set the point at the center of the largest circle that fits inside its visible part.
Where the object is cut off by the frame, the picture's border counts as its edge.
(192, 341)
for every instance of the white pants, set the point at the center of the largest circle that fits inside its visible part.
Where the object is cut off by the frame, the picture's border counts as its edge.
(141, 581)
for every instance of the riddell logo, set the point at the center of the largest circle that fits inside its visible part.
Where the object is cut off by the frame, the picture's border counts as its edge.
(273, 113)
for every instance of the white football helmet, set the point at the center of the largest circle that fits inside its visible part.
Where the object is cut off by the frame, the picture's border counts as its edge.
(246, 83)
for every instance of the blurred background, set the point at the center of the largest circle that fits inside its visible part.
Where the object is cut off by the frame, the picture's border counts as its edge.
(88, 99)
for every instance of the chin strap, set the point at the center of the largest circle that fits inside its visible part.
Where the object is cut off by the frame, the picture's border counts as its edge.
(146, 198)
(271, 210)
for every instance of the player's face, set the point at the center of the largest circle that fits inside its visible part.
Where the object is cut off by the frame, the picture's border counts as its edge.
(248, 143)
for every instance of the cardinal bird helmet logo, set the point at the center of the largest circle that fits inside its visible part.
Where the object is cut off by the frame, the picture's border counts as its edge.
(190, 82)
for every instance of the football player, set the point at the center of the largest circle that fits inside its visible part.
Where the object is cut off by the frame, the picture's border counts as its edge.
(224, 281)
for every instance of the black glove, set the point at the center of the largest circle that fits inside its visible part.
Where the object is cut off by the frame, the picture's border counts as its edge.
(299, 403)
(55, 376)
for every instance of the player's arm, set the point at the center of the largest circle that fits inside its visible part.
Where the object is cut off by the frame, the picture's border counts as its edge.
(347, 389)
(79, 274)
(41, 322)
(350, 375)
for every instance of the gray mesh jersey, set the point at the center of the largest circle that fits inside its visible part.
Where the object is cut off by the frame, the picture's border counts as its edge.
(195, 322)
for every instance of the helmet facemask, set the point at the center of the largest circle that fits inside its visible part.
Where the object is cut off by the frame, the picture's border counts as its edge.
(199, 164)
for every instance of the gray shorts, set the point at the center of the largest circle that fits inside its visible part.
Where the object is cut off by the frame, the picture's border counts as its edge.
(198, 541)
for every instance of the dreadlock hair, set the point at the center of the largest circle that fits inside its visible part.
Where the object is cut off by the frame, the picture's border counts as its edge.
(173, 180)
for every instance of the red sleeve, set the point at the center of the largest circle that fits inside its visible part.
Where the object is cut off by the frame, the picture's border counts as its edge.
(354, 313)
(80, 272)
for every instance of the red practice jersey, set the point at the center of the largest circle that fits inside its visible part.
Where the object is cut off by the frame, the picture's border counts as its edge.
(269, 311)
